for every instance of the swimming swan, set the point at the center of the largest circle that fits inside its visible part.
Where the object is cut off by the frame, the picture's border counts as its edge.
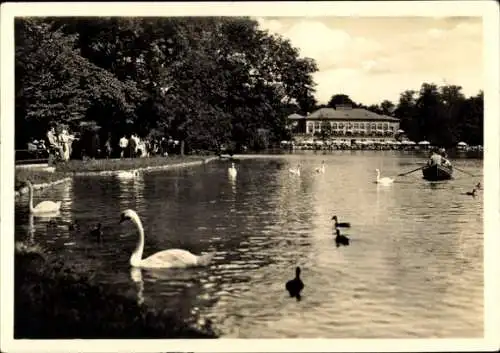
(295, 171)
(321, 170)
(232, 171)
(127, 174)
(44, 207)
(164, 259)
(385, 180)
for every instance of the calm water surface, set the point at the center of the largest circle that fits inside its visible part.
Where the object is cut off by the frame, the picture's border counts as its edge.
(414, 267)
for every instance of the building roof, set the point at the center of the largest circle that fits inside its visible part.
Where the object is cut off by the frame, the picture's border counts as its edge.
(295, 116)
(348, 114)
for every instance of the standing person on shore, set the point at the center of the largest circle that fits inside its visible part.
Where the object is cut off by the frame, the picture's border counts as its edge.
(123, 145)
(65, 140)
(53, 143)
(164, 146)
(107, 147)
(132, 146)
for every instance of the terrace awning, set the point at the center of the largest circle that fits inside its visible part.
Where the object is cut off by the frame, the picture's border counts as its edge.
(424, 143)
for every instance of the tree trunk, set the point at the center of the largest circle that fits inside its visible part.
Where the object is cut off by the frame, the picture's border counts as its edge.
(182, 148)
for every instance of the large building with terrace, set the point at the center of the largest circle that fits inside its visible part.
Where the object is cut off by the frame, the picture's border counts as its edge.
(346, 123)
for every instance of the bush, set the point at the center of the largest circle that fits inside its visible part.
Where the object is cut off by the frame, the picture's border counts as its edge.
(54, 301)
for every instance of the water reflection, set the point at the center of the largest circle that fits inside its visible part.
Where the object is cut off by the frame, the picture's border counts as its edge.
(31, 230)
(131, 192)
(136, 276)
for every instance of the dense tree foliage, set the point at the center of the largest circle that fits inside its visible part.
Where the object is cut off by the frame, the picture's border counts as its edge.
(439, 114)
(206, 81)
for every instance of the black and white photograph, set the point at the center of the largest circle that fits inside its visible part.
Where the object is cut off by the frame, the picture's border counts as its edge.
(235, 177)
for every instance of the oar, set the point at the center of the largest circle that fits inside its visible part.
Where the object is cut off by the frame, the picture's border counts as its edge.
(463, 171)
(411, 171)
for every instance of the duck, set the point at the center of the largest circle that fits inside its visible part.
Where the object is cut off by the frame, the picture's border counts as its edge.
(51, 224)
(321, 170)
(170, 258)
(471, 193)
(74, 226)
(385, 180)
(295, 171)
(127, 174)
(340, 224)
(295, 286)
(478, 186)
(232, 171)
(341, 239)
(44, 207)
(97, 232)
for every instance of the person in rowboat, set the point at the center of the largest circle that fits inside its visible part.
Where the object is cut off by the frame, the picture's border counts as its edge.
(445, 162)
(435, 158)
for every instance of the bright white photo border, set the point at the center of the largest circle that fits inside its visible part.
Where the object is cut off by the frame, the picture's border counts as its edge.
(488, 10)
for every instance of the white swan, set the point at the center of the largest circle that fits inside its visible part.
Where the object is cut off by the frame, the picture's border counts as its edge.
(127, 174)
(164, 259)
(232, 171)
(295, 171)
(385, 180)
(321, 170)
(44, 207)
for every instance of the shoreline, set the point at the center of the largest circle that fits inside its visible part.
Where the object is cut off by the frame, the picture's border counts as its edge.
(147, 169)
(36, 187)
(70, 174)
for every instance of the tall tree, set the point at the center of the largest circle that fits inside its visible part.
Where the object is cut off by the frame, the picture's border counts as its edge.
(387, 107)
(340, 99)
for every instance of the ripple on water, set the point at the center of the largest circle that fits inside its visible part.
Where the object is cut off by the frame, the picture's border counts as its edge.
(414, 268)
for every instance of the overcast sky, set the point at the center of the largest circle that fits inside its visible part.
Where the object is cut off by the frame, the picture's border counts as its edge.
(372, 59)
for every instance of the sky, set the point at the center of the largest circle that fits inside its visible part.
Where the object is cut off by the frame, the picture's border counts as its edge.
(376, 58)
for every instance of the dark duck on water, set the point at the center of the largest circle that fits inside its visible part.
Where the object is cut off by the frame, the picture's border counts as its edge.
(295, 286)
(74, 226)
(341, 224)
(471, 193)
(97, 232)
(341, 239)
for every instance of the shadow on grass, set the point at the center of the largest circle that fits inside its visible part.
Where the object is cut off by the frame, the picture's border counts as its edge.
(54, 301)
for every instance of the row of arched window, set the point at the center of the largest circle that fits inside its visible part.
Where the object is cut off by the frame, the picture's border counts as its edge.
(316, 126)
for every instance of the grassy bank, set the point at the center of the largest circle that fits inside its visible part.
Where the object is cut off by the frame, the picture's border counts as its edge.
(37, 176)
(100, 165)
(54, 301)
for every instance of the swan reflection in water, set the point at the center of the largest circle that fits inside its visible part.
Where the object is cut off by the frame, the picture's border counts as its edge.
(31, 229)
(136, 276)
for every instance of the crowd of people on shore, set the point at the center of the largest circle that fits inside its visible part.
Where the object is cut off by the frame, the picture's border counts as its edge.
(58, 143)
(62, 145)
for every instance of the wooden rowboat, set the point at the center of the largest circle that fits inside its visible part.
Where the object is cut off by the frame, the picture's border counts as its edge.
(436, 172)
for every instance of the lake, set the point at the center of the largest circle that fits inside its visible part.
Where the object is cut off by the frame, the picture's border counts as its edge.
(414, 268)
